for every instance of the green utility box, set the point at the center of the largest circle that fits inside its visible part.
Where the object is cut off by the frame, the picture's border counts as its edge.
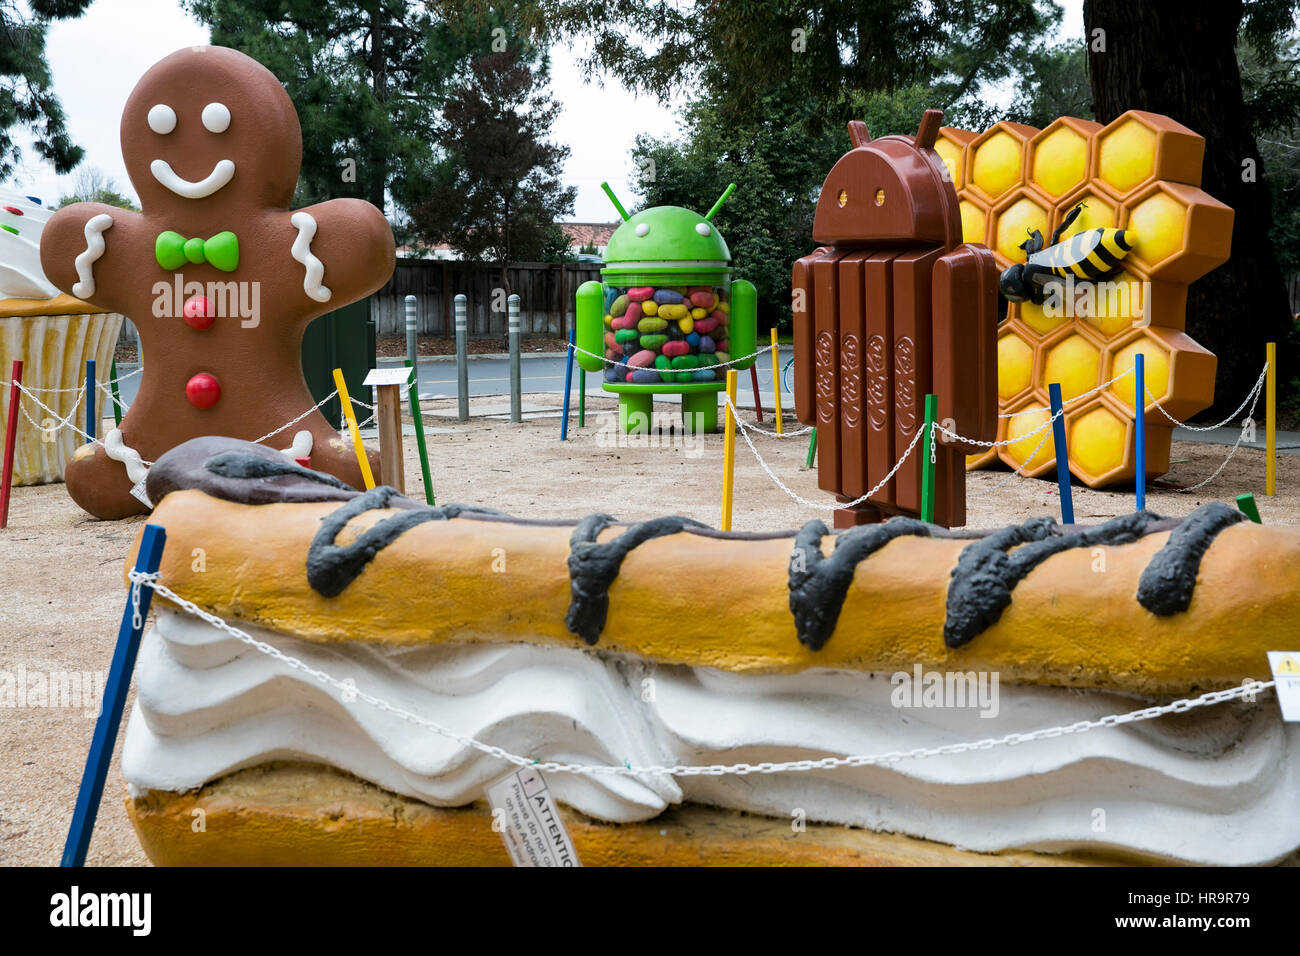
(344, 338)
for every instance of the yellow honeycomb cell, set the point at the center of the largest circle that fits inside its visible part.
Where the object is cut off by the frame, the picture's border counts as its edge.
(1060, 160)
(1098, 213)
(1155, 370)
(1156, 227)
(1098, 440)
(1038, 318)
(996, 166)
(1073, 362)
(1015, 365)
(974, 222)
(951, 154)
(1127, 155)
(1023, 443)
(1013, 226)
(1110, 307)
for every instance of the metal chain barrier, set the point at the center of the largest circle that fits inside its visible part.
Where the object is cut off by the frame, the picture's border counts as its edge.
(1246, 691)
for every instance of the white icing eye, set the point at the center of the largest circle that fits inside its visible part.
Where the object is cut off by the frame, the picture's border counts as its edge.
(162, 119)
(702, 228)
(642, 229)
(216, 117)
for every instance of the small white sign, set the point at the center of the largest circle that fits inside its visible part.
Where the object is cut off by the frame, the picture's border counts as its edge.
(138, 490)
(1286, 672)
(525, 815)
(388, 376)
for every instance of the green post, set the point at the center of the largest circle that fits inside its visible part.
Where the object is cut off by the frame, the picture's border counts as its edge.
(413, 393)
(927, 463)
(1246, 505)
(117, 398)
(812, 448)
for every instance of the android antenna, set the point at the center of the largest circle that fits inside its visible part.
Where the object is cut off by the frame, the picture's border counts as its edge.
(614, 199)
(721, 199)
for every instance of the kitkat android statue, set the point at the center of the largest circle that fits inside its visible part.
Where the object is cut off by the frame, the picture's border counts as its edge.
(892, 307)
(666, 309)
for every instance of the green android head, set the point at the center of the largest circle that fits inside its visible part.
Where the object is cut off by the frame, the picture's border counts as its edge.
(666, 241)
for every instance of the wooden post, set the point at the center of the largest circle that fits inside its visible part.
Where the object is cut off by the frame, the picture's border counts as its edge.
(350, 417)
(1270, 422)
(927, 464)
(729, 452)
(758, 402)
(11, 438)
(1062, 454)
(113, 702)
(391, 466)
(1140, 430)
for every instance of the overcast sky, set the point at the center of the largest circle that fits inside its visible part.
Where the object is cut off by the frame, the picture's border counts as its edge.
(98, 58)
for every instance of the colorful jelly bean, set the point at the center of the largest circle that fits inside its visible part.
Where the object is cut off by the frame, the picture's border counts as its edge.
(704, 300)
(619, 306)
(686, 326)
(676, 349)
(720, 357)
(653, 341)
(643, 376)
(699, 313)
(693, 339)
(703, 375)
(624, 336)
(705, 326)
(650, 308)
(674, 311)
(707, 345)
(625, 321)
(668, 297)
(640, 294)
(651, 324)
(724, 346)
(642, 359)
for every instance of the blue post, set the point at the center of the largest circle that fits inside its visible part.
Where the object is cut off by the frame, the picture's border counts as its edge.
(1140, 429)
(112, 703)
(568, 384)
(1062, 455)
(91, 430)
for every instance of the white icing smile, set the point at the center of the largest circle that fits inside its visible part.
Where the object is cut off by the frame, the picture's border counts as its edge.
(221, 174)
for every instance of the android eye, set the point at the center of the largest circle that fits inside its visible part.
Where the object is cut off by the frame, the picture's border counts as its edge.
(843, 197)
(702, 228)
(216, 117)
(642, 228)
(880, 197)
(162, 119)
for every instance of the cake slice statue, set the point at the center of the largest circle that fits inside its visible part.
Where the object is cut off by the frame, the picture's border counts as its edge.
(53, 335)
(219, 276)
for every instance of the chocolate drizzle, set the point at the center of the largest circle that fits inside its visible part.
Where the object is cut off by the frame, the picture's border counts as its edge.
(819, 585)
(240, 465)
(1169, 578)
(332, 567)
(988, 570)
(593, 567)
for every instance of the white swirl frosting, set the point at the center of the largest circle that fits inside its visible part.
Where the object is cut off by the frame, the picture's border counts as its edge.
(21, 275)
(1216, 786)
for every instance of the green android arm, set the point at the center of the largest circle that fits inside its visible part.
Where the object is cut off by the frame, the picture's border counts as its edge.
(667, 316)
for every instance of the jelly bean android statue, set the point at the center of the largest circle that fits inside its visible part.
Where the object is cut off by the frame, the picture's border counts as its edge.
(667, 316)
(893, 307)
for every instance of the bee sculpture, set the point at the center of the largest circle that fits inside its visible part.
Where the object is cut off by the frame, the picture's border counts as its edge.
(1094, 255)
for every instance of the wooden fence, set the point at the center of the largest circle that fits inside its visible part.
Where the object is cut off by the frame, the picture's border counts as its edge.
(545, 291)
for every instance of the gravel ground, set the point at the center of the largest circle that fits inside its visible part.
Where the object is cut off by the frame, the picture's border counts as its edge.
(62, 597)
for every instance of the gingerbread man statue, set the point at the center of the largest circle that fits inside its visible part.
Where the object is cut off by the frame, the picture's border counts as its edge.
(218, 275)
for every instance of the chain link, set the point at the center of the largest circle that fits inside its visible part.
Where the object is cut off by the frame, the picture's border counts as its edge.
(1246, 691)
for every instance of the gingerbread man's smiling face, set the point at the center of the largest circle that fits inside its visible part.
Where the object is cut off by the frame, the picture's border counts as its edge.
(207, 127)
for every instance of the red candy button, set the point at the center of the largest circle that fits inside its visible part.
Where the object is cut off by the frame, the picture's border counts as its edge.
(203, 390)
(199, 313)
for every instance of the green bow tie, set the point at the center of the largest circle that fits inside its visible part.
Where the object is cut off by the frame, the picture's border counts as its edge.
(221, 251)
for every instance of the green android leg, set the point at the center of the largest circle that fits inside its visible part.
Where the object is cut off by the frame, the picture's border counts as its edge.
(700, 412)
(635, 411)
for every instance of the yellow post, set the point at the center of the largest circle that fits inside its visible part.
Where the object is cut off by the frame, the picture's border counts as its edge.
(776, 382)
(346, 401)
(729, 452)
(1270, 427)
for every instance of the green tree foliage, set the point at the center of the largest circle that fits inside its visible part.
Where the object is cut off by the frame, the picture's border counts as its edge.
(1053, 82)
(498, 191)
(27, 99)
(368, 79)
(93, 186)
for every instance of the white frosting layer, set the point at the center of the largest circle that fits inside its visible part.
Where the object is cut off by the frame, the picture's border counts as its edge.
(1216, 786)
(21, 275)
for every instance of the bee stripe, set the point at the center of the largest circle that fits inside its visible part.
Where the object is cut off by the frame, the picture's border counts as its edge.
(1116, 243)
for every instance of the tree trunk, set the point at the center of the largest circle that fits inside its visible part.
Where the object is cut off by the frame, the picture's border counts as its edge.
(377, 172)
(1181, 61)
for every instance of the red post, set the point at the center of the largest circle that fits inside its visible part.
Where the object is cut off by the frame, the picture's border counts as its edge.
(11, 440)
(753, 378)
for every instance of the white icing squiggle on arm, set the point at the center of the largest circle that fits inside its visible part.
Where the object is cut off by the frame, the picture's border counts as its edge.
(118, 450)
(301, 252)
(302, 445)
(85, 262)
